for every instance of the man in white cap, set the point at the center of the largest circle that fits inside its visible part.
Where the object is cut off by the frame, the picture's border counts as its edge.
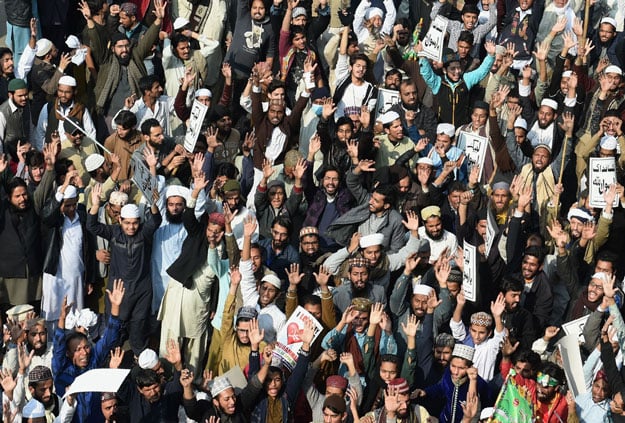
(544, 129)
(603, 97)
(443, 151)
(393, 143)
(100, 172)
(152, 104)
(69, 245)
(609, 137)
(606, 42)
(130, 251)
(54, 112)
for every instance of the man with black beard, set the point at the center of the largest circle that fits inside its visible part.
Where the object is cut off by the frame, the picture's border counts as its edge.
(41, 389)
(608, 44)
(397, 405)
(413, 113)
(121, 67)
(432, 230)
(278, 253)
(169, 154)
(124, 141)
(7, 66)
(228, 137)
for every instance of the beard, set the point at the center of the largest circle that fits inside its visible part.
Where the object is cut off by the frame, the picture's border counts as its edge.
(173, 218)
(435, 238)
(124, 61)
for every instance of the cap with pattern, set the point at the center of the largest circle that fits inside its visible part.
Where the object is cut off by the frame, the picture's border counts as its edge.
(482, 318)
(362, 304)
(399, 384)
(308, 230)
(430, 211)
(39, 374)
(247, 312)
(336, 381)
(220, 384)
(463, 351)
(359, 262)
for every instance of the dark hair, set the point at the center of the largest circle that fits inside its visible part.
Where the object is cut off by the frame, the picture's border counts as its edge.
(15, 183)
(527, 356)
(389, 192)
(392, 72)
(297, 30)
(359, 56)
(331, 168)
(554, 371)
(4, 51)
(146, 127)
(126, 119)
(34, 158)
(227, 169)
(310, 299)
(146, 83)
(467, 37)
(607, 256)
(536, 236)
(343, 120)
(146, 377)
(61, 167)
(95, 5)
(535, 252)
(408, 82)
(74, 336)
(274, 85)
(456, 186)
(283, 221)
(389, 358)
(178, 38)
(510, 283)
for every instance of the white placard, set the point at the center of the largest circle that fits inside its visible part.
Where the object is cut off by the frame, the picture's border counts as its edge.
(576, 328)
(469, 273)
(434, 41)
(143, 179)
(289, 338)
(601, 175)
(475, 148)
(98, 380)
(386, 99)
(572, 364)
(491, 230)
(198, 112)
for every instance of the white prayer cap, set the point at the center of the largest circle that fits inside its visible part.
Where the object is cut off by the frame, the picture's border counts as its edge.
(602, 276)
(70, 192)
(19, 311)
(567, 74)
(272, 279)
(67, 80)
(500, 50)
(180, 23)
(520, 123)
(72, 42)
(43, 47)
(93, 162)
(463, 351)
(425, 160)
(388, 117)
(130, 211)
(118, 198)
(608, 142)
(371, 240)
(421, 289)
(579, 214)
(203, 92)
(148, 359)
(609, 20)
(177, 191)
(613, 69)
(220, 384)
(33, 409)
(447, 129)
(550, 103)
(373, 11)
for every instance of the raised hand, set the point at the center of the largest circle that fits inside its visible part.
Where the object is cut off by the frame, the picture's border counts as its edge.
(249, 226)
(323, 276)
(411, 326)
(295, 277)
(117, 355)
(235, 277)
(173, 352)
(349, 315)
(558, 234)
(412, 221)
(328, 109)
(256, 334)
(117, 295)
(308, 334)
(411, 263)
(314, 145)
(24, 358)
(375, 316)
(589, 231)
(328, 355)
(186, 378)
(267, 169)
(507, 348)
(442, 273)
(568, 123)
(498, 306)
(300, 169)
(551, 332)
(352, 149)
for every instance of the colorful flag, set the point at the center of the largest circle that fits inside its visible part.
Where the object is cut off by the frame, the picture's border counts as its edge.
(514, 404)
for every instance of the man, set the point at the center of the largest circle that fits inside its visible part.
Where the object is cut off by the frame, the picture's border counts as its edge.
(152, 104)
(469, 15)
(40, 387)
(124, 141)
(358, 286)
(352, 90)
(109, 407)
(520, 14)
(129, 236)
(121, 67)
(444, 150)
(129, 22)
(397, 404)
(7, 67)
(607, 42)
(519, 322)
(432, 230)
(15, 114)
(551, 404)
(412, 113)
(393, 143)
(169, 155)
(334, 409)
(77, 148)
(278, 252)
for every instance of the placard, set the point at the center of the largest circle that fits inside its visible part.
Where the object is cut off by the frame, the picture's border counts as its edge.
(491, 230)
(98, 380)
(469, 273)
(386, 99)
(434, 41)
(475, 148)
(572, 364)
(576, 328)
(143, 179)
(601, 174)
(198, 112)
(289, 338)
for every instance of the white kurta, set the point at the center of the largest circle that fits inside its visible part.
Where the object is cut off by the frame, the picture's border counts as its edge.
(166, 248)
(68, 280)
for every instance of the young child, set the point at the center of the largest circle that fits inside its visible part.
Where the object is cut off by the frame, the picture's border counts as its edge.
(480, 330)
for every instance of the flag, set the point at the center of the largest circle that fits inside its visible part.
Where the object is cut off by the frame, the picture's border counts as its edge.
(514, 404)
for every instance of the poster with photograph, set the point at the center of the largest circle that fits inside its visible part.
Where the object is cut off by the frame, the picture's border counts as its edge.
(143, 179)
(386, 100)
(289, 338)
(475, 148)
(198, 112)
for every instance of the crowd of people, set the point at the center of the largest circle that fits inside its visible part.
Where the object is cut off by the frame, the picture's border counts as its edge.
(181, 180)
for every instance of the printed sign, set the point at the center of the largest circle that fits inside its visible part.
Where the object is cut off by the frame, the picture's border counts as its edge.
(601, 174)
(386, 100)
(576, 327)
(475, 148)
(572, 364)
(198, 112)
(491, 230)
(143, 179)
(469, 273)
(434, 41)
(289, 338)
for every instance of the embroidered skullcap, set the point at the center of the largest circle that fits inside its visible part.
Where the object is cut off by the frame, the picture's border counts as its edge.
(16, 84)
(247, 312)
(203, 92)
(609, 20)
(217, 219)
(39, 374)
(388, 117)
(177, 191)
(308, 230)
(447, 129)
(579, 214)
(33, 409)
(455, 275)
(72, 42)
(549, 103)
(272, 279)
(220, 384)
(70, 81)
(130, 211)
(400, 384)
(520, 123)
(371, 240)
(613, 69)
(602, 276)
(93, 162)
(107, 396)
(421, 289)
(19, 311)
(567, 74)
(43, 47)
(430, 211)
(359, 262)
(336, 403)
(298, 11)
(426, 161)
(601, 375)
(482, 318)
(69, 193)
(545, 146)
(361, 304)
(148, 359)
(128, 8)
(608, 142)
(180, 22)
(231, 185)
(501, 185)
(373, 11)
(118, 198)
(351, 110)
(336, 381)
(463, 351)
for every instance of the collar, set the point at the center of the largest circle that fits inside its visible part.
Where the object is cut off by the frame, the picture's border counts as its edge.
(12, 106)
